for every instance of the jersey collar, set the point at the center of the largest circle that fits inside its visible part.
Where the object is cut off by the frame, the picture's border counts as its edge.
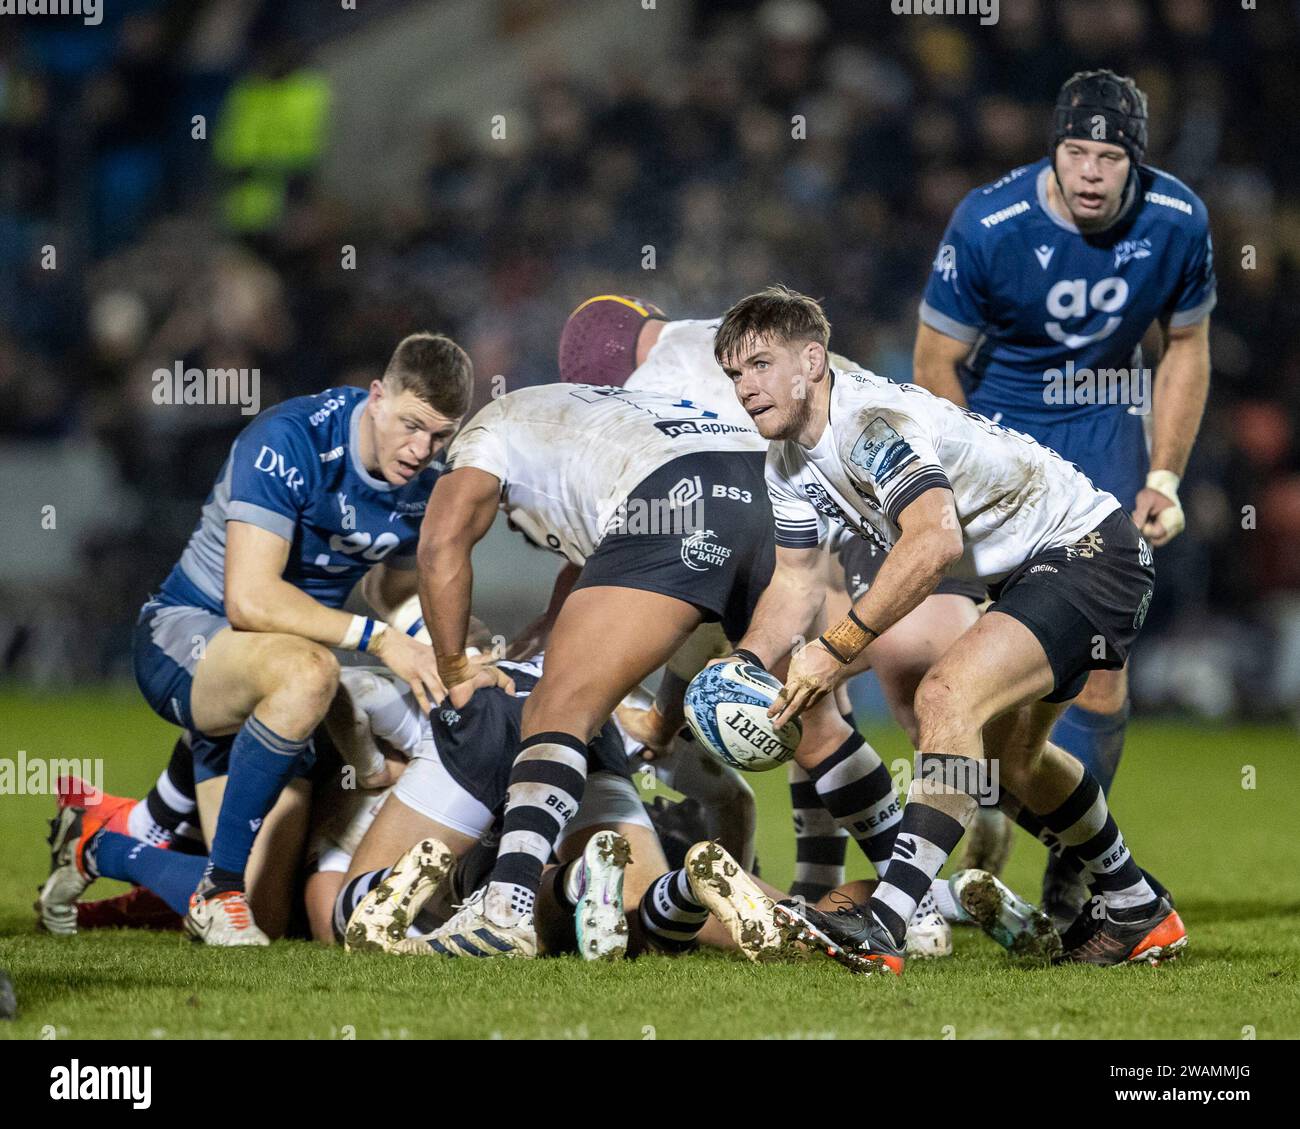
(354, 453)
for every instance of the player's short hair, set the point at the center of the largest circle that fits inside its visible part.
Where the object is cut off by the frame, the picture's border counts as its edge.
(435, 369)
(775, 313)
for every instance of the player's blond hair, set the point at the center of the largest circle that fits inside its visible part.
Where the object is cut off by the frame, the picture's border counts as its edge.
(435, 369)
(775, 313)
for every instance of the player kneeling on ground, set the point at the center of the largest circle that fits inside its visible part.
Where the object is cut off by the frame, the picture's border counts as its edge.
(945, 490)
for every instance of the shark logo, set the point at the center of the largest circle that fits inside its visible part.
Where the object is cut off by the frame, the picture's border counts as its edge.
(1131, 249)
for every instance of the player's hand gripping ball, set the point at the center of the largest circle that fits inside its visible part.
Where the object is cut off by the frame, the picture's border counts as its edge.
(726, 708)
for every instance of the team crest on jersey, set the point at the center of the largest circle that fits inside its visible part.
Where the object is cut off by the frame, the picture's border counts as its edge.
(881, 451)
(945, 262)
(1130, 249)
(700, 552)
(1086, 547)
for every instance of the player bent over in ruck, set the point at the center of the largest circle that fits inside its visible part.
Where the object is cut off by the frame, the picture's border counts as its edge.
(663, 509)
(947, 491)
(318, 493)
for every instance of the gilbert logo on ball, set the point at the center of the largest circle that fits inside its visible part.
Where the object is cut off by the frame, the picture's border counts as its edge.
(726, 708)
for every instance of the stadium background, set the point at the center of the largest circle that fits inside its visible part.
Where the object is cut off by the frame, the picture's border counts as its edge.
(492, 162)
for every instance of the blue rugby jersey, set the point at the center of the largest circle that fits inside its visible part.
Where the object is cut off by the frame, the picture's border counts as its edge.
(1032, 293)
(295, 471)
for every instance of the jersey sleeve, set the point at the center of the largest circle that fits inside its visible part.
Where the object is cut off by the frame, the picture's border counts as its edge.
(273, 469)
(1196, 291)
(480, 445)
(798, 524)
(955, 300)
(894, 456)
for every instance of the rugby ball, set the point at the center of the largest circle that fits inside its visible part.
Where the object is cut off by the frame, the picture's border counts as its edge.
(726, 708)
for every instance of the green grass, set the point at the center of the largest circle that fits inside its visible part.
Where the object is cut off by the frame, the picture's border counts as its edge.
(1231, 855)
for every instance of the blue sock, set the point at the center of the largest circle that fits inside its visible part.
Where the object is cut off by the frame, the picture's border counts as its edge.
(169, 874)
(261, 764)
(1096, 739)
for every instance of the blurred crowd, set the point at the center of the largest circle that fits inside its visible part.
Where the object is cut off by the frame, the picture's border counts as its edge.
(822, 143)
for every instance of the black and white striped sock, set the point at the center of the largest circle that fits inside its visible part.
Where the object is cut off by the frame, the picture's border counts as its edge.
(855, 787)
(1084, 827)
(546, 786)
(170, 804)
(670, 916)
(349, 897)
(820, 842)
(939, 807)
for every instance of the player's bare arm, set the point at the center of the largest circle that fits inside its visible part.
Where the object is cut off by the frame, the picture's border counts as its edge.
(1182, 383)
(931, 542)
(459, 515)
(788, 607)
(935, 361)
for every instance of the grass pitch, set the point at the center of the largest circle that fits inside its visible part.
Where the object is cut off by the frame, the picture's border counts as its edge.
(1230, 853)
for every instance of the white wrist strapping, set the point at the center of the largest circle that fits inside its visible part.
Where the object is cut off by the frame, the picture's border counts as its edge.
(1171, 519)
(362, 633)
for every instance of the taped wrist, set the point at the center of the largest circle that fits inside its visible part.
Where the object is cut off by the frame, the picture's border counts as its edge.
(848, 638)
(453, 668)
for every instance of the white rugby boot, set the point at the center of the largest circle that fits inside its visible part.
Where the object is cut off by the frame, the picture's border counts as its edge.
(56, 904)
(928, 933)
(222, 918)
(720, 885)
(598, 919)
(471, 933)
(384, 915)
(1019, 927)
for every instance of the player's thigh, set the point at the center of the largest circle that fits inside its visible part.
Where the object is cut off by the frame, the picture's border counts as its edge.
(396, 828)
(321, 892)
(276, 857)
(996, 665)
(241, 668)
(605, 640)
(903, 655)
(1106, 691)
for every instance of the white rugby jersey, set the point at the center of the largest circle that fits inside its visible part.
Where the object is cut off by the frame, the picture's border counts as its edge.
(568, 455)
(681, 363)
(886, 444)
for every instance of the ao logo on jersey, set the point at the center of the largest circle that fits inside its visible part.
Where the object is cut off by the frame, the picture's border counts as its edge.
(1072, 298)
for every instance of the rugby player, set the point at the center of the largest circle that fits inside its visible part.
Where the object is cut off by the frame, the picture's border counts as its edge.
(1044, 285)
(628, 342)
(660, 509)
(317, 494)
(948, 491)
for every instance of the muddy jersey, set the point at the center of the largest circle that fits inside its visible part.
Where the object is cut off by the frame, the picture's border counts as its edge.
(886, 444)
(569, 455)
